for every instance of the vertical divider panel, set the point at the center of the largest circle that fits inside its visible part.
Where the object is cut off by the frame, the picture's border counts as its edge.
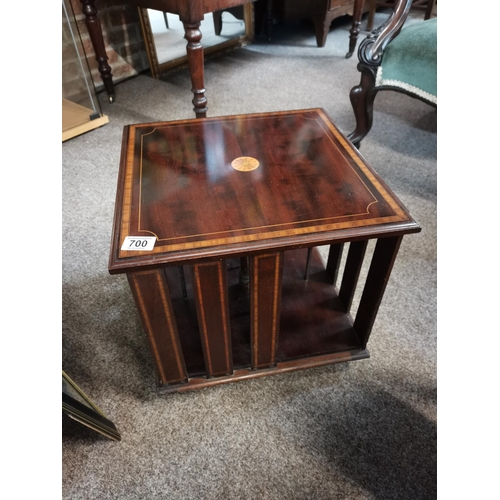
(212, 307)
(383, 259)
(357, 250)
(152, 298)
(266, 274)
(333, 263)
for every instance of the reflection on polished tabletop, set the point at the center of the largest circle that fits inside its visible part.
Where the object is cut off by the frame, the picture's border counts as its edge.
(180, 185)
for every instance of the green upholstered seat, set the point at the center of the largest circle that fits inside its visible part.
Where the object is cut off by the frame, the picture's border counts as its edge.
(410, 61)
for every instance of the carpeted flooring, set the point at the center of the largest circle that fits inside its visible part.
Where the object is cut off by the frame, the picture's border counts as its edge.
(362, 430)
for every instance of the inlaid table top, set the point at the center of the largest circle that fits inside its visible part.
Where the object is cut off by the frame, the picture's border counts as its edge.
(240, 184)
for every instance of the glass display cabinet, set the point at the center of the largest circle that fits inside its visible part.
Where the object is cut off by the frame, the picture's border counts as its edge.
(81, 111)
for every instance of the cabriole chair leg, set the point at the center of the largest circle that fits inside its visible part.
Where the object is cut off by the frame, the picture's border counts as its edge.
(362, 97)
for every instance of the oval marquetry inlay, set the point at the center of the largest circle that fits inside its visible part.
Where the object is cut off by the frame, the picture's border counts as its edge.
(245, 163)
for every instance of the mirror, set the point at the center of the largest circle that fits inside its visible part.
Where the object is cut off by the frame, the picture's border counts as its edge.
(163, 34)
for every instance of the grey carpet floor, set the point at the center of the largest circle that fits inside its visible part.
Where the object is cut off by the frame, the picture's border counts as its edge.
(363, 430)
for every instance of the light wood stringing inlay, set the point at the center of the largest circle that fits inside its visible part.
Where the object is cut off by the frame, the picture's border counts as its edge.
(203, 326)
(149, 329)
(274, 329)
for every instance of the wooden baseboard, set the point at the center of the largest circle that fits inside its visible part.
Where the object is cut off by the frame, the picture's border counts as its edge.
(76, 120)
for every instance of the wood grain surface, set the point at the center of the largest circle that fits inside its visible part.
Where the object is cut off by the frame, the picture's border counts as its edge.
(177, 183)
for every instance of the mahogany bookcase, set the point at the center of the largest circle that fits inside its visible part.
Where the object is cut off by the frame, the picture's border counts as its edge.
(233, 286)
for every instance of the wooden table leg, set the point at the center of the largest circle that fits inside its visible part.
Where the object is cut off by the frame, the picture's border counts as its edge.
(356, 21)
(152, 298)
(95, 31)
(195, 55)
(266, 273)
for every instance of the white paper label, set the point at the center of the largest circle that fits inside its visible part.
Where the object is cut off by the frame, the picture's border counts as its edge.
(138, 243)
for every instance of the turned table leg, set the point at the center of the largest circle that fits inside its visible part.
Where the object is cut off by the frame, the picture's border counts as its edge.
(195, 55)
(95, 31)
(356, 21)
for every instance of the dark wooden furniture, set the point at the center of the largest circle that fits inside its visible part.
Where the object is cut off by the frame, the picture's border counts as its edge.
(419, 59)
(357, 13)
(265, 189)
(95, 32)
(162, 62)
(237, 12)
(191, 13)
(426, 5)
(320, 12)
(359, 7)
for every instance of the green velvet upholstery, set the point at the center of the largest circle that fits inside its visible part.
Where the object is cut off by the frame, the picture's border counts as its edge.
(409, 62)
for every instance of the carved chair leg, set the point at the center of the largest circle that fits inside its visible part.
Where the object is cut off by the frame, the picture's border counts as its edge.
(362, 98)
